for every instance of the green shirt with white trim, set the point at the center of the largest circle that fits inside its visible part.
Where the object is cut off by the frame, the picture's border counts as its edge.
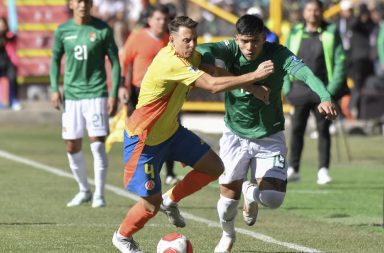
(245, 115)
(85, 47)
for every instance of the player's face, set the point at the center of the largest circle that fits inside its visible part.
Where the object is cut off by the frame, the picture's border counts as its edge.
(312, 13)
(81, 8)
(158, 22)
(184, 41)
(250, 45)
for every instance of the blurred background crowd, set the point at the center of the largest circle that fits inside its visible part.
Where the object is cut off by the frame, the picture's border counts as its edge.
(26, 38)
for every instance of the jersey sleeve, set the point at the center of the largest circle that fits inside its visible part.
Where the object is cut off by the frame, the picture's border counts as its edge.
(183, 71)
(112, 53)
(220, 50)
(295, 67)
(57, 54)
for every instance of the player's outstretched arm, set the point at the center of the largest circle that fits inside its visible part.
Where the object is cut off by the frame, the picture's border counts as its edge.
(259, 91)
(224, 83)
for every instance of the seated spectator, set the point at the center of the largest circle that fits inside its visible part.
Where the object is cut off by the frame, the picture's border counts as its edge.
(113, 13)
(8, 62)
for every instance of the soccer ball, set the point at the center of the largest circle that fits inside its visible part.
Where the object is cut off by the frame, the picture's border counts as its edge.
(174, 243)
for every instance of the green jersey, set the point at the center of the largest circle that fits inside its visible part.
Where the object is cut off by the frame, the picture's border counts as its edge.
(85, 47)
(245, 115)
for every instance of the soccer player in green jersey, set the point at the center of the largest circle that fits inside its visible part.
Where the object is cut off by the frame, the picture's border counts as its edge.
(85, 41)
(254, 133)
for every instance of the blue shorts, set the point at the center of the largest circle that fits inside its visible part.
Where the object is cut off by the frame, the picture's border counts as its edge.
(143, 164)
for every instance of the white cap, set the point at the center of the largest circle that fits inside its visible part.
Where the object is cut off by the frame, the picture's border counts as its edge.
(346, 5)
(255, 10)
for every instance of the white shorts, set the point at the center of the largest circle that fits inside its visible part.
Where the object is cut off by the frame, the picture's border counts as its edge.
(85, 113)
(265, 157)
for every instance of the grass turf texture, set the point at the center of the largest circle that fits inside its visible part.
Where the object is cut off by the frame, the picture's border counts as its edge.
(344, 216)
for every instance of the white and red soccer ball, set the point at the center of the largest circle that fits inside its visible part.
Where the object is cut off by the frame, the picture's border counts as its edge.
(174, 243)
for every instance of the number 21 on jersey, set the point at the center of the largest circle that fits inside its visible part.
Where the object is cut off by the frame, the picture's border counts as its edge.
(81, 52)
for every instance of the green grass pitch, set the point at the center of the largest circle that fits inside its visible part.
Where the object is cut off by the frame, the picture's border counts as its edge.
(344, 216)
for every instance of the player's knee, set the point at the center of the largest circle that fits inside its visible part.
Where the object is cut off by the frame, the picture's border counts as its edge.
(272, 199)
(227, 208)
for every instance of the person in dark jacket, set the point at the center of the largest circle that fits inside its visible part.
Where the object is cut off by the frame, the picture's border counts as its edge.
(319, 45)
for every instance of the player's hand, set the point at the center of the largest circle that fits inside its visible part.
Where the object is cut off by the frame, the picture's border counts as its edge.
(260, 92)
(123, 95)
(264, 69)
(328, 109)
(112, 106)
(56, 100)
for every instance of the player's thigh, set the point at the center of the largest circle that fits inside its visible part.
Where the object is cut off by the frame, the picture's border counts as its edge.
(235, 156)
(73, 122)
(191, 150)
(269, 166)
(142, 166)
(96, 115)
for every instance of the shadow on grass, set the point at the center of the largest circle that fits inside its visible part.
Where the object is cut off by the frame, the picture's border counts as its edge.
(26, 223)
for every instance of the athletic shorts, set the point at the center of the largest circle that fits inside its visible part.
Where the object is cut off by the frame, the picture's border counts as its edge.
(265, 157)
(142, 169)
(91, 114)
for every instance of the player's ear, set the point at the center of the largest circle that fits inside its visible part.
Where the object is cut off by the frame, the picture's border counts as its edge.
(171, 38)
(264, 36)
(237, 37)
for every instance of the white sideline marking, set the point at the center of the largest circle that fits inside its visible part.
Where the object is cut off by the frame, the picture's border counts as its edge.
(123, 193)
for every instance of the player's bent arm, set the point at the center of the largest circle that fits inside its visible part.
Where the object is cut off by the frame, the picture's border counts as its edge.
(224, 83)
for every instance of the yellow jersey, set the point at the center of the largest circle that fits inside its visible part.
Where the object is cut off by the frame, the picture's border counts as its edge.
(164, 89)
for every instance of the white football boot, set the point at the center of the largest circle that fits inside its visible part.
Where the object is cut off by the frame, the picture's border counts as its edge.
(173, 213)
(323, 176)
(292, 175)
(125, 245)
(80, 198)
(250, 209)
(98, 201)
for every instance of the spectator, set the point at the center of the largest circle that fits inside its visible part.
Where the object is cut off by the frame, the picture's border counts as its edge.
(113, 12)
(344, 24)
(257, 11)
(319, 45)
(361, 64)
(9, 62)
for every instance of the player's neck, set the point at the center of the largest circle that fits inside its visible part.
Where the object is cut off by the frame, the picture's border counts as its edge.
(82, 20)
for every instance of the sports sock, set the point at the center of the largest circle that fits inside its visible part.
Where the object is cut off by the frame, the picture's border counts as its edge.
(100, 165)
(227, 210)
(191, 183)
(269, 198)
(272, 199)
(79, 170)
(135, 219)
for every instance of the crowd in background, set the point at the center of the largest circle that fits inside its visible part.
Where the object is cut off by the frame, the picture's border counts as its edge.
(359, 25)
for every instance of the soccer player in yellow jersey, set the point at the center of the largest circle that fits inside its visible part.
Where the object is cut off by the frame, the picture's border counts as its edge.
(153, 134)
